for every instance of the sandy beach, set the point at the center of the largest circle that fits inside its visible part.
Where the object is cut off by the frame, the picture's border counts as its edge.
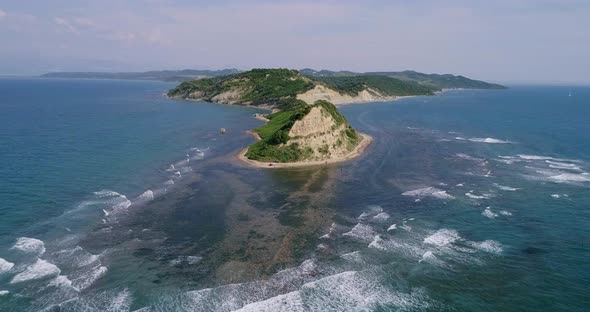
(358, 150)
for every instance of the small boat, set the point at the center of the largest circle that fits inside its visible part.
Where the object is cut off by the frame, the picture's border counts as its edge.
(222, 130)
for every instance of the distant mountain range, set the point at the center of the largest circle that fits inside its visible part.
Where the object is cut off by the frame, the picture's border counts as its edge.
(163, 75)
(435, 81)
(438, 81)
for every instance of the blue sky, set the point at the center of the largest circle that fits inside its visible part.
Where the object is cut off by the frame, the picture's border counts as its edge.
(507, 41)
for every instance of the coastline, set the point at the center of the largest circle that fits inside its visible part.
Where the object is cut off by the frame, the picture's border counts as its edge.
(356, 152)
(384, 99)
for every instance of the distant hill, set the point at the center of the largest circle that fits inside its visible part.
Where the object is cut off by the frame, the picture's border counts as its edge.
(163, 75)
(436, 81)
(272, 86)
(432, 81)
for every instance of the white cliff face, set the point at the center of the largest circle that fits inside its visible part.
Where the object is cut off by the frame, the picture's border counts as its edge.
(318, 132)
(233, 96)
(228, 97)
(320, 92)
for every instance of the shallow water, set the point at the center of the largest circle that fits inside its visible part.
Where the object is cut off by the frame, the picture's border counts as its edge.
(123, 200)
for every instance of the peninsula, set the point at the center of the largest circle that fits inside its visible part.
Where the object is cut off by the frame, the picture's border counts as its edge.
(305, 127)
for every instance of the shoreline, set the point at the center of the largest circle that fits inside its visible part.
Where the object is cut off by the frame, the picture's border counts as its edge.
(385, 99)
(355, 153)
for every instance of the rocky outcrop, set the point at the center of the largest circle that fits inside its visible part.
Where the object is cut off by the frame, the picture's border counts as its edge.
(321, 135)
(321, 92)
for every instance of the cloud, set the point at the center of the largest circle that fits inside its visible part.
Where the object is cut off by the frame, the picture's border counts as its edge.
(498, 40)
(65, 24)
(82, 21)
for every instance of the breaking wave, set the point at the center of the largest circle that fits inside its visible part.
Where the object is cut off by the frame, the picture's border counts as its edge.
(30, 246)
(41, 269)
(429, 191)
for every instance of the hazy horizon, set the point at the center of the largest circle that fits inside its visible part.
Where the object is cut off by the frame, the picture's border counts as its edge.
(506, 41)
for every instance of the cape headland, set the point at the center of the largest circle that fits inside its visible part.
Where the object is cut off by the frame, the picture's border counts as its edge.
(305, 127)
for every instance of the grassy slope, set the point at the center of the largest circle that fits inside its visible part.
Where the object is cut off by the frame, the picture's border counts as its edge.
(276, 132)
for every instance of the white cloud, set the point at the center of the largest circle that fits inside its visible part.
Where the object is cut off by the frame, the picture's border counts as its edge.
(65, 24)
(82, 21)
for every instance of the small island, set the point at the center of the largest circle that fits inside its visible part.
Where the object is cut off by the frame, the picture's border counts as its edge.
(305, 127)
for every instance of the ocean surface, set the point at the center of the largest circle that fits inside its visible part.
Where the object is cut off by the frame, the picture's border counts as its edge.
(115, 198)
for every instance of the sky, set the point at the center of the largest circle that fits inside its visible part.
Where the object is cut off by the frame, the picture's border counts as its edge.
(539, 41)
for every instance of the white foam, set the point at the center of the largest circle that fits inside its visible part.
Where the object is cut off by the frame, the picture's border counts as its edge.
(286, 302)
(61, 281)
(468, 157)
(538, 157)
(428, 191)
(114, 200)
(331, 231)
(169, 182)
(74, 257)
(146, 196)
(406, 227)
(354, 256)
(442, 237)
(505, 213)
(346, 291)
(121, 302)
(5, 266)
(190, 260)
(30, 246)
(381, 217)
(555, 195)
(427, 256)
(4, 292)
(392, 227)
(473, 196)
(372, 210)
(41, 269)
(489, 213)
(361, 232)
(107, 193)
(489, 141)
(570, 177)
(506, 188)
(490, 246)
(88, 278)
(563, 165)
(377, 243)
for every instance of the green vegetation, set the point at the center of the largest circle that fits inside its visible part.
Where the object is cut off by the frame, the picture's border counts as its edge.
(332, 110)
(282, 121)
(352, 85)
(435, 81)
(275, 134)
(279, 88)
(256, 87)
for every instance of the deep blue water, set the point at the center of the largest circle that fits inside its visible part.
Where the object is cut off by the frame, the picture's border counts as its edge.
(114, 198)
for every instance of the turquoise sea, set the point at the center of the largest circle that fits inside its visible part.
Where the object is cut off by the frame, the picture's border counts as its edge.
(115, 198)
